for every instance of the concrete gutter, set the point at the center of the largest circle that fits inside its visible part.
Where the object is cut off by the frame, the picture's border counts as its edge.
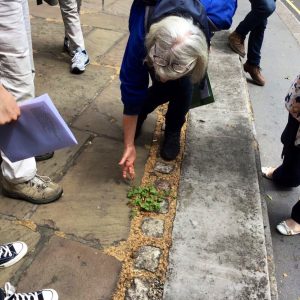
(219, 245)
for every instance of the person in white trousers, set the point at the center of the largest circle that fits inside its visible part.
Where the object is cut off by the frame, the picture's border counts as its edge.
(19, 179)
(74, 42)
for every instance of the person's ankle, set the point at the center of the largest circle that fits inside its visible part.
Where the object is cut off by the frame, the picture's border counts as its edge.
(293, 225)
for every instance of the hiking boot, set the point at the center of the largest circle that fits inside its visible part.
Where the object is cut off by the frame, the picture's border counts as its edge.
(11, 253)
(46, 294)
(38, 190)
(171, 145)
(44, 156)
(255, 73)
(236, 43)
(79, 61)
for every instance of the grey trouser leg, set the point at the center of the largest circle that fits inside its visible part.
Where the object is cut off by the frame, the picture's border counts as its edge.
(70, 14)
(16, 72)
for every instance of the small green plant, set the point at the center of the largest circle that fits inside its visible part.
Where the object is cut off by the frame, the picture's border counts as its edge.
(146, 198)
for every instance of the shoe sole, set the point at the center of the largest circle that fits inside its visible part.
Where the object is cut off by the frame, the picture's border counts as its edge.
(29, 199)
(237, 51)
(79, 71)
(17, 258)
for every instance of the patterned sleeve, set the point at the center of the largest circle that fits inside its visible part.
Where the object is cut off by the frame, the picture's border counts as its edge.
(293, 97)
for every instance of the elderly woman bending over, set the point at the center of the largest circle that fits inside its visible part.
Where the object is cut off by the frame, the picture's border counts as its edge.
(173, 50)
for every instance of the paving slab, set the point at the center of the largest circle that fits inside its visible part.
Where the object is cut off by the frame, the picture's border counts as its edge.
(45, 11)
(70, 93)
(99, 41)
(48, 36)
(94, 205)
(104, 117)
(119, 7)
(57, 166)
(114, 56)
(74, 270)
(11, 232)
(95, 5)
(15, 208)
(104, 21)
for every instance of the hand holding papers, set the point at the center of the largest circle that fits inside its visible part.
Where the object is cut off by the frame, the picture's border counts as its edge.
(39, 130)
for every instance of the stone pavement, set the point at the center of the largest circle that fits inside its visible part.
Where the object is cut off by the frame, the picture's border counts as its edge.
(85, 245)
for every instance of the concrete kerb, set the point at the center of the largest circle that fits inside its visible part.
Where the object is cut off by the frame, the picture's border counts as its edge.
(219, 178)
(268, 237)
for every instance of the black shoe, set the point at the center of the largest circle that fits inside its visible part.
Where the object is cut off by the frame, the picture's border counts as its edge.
(171, 145)
(140, 121)
(50, 2)
(44, 156)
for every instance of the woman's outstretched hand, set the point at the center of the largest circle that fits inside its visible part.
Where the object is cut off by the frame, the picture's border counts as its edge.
(127, 162)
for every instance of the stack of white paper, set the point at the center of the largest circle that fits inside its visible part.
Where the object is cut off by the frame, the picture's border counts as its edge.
(39, 130)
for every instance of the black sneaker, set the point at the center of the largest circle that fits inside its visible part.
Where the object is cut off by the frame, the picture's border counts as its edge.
(44, 156)
(46, 294)
(11, 253)
(171, 145)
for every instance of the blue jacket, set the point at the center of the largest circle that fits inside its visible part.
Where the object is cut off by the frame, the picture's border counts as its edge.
(134, 73)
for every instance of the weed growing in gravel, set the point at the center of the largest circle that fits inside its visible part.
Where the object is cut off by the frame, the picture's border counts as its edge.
(146, 198)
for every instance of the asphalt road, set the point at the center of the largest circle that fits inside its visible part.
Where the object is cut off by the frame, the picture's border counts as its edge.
(293, 6)
(280, 66)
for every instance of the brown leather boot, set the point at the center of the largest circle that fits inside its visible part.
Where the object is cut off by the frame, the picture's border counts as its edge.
(236, 43)
(255, 73)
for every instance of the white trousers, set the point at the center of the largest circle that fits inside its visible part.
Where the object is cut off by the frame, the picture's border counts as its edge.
(70, 14)
(16, 65)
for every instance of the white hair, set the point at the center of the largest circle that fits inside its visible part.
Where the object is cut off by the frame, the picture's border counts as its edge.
(181, 42)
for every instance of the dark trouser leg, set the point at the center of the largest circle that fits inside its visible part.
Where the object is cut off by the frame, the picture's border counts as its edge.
(2, 296)
(255, 42)
(178, 93)
(157, 95)
(179, 104)
(296, 212)
(288, 174)
(260, 11)
(255, 23)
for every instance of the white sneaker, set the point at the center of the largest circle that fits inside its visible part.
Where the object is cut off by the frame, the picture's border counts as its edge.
(79, 61)
(46, 294)
(11, 253)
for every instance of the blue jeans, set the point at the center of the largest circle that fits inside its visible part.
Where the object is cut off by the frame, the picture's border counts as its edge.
(255, 23)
